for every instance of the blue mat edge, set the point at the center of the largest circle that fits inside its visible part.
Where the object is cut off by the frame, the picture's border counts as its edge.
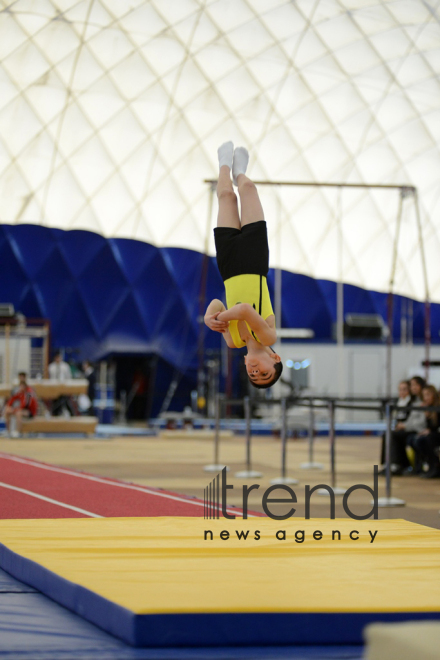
(200, 630)
(113, 618)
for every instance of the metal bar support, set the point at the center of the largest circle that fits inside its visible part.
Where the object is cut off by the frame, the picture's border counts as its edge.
(248, 473)
(326, 184)
(311, 465)
(216, 466)
(332, 438)
(284, 479)
(426, 282)
(388, 501)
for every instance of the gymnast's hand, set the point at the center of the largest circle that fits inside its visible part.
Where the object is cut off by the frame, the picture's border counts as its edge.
(213, 324)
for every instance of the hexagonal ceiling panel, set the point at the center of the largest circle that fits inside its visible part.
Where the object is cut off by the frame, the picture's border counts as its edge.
(111, 113)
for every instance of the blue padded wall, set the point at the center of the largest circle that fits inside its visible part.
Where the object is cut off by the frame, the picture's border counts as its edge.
(106, 295)
(123, 296)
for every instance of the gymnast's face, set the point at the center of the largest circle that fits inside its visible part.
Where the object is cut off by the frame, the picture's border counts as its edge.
(260, 368)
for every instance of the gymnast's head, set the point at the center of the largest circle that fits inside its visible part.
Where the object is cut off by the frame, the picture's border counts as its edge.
(263, 368)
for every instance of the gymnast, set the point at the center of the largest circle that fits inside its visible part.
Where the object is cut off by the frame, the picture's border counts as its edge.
(243, 261)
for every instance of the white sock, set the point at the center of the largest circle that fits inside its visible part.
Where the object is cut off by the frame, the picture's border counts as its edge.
(240, 163)
(225, 154)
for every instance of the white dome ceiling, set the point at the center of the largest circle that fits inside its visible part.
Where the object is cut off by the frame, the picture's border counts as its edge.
(111, 114)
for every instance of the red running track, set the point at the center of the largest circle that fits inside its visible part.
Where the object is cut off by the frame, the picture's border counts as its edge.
(31, 489)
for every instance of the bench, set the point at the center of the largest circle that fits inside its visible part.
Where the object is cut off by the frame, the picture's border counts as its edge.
(86, 425)
(50, 389)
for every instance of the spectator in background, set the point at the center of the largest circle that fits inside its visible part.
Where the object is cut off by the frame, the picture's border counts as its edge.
(428, 440)
(401, 413)
(60, 371)
(22, 404)
(89, 373)
(406, 431)
(21, 381)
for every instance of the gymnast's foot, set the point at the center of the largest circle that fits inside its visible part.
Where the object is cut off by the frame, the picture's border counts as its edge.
(240, 163)
(225, 154)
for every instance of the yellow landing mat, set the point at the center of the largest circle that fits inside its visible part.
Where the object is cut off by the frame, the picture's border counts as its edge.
(166, 566)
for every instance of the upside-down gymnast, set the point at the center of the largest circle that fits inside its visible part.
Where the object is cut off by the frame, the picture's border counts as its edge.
(243, 261)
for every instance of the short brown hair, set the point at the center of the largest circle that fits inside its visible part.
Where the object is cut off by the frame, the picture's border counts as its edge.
(278, 366)
(419, 380)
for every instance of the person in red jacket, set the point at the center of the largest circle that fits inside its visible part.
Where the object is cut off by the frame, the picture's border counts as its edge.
(22, 404)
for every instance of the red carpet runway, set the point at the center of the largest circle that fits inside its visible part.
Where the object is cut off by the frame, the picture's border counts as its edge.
(30, 489)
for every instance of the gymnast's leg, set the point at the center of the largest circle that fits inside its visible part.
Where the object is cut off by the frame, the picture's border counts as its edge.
(227, 199)
(251, 209)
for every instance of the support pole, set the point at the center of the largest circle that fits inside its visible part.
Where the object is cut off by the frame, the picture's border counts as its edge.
(284, 479)
(410, 322)
(216, 466)
(248, 473)
(311, 431)
(201, 385)
(388, 501)
(340, 300)
(311, 465)
(278, 280)
(389, 355)
(332, 437)
(427, 296)
(278, 286)
(390, 299)
(427, 338)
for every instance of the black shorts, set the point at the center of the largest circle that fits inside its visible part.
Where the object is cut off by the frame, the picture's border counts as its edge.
(242, 252)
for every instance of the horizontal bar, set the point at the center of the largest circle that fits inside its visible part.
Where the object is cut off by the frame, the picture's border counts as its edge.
(293, 402)
(329, 185)
(345, 398)
(309, 402)
(356, 407)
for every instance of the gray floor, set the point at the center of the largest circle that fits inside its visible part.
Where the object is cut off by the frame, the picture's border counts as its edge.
(34, 627)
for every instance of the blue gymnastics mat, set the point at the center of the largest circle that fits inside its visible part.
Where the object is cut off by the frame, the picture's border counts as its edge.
(34, 627)
(160, 582)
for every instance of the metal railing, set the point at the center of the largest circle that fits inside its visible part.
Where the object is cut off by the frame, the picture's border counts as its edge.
(385, 409)
(220, 401)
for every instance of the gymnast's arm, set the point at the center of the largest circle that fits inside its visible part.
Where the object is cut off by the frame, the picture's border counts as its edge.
(245, 312)
(211, 320)
(215, 307)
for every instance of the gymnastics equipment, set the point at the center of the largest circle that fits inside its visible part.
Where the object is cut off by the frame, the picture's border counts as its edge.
(77, 424)
(332, 436)
(329, 403)
(310, 464)
(216, 466)
(284, 479)
(388, 500)
(249, 473)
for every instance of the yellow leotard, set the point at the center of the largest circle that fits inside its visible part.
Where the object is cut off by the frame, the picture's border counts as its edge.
(250, 289)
